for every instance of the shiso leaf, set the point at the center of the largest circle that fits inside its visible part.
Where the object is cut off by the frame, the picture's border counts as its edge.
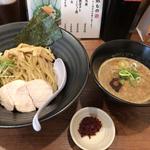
(41, 30)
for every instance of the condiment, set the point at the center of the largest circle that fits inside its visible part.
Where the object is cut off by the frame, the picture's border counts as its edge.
(126, 73)
(41, 25)
(130, 74)
(89, 126)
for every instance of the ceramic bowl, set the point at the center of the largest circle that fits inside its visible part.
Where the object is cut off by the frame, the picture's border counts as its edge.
(103, 139)
(119, 48)
(70, 50)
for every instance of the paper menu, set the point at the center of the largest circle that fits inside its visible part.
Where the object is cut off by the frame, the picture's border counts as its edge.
(80, 17)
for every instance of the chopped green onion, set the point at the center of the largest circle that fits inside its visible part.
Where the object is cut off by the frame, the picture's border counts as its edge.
(122, 81)
(5, 64)
(129, 74)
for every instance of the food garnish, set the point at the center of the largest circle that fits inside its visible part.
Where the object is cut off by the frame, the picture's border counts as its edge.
(42, 29)
(125, 73)
(5, 64)
(89, 126)
(131, 74)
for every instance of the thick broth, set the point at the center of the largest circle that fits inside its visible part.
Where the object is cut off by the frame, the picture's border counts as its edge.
(136, 94)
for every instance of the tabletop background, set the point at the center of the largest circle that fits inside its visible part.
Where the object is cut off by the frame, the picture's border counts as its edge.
(132, 123)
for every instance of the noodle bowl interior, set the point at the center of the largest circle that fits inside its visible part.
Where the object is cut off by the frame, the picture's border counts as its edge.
(29, 62)
(126, 79)
(27, 77)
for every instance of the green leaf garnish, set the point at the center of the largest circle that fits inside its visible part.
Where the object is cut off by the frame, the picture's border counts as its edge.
(41, 30)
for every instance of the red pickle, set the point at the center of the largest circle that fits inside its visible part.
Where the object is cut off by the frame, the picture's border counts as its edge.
(89, 126)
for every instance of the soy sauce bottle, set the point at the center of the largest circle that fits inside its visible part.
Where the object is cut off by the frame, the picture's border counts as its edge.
(13, 11)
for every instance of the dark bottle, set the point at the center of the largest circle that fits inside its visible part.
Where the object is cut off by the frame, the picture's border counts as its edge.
(13, 12)
(118, 16)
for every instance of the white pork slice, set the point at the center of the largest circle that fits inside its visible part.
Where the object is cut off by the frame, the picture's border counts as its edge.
(22, 100)
(5, 95)
(15, 94)
(40, 91)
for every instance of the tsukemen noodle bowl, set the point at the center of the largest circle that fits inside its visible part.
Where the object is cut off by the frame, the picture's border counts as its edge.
(121, 68)
(75, 58)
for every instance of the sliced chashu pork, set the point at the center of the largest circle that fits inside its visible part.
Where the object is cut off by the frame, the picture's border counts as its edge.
(39, 91)
(22, 100)
(5, 95)
(15, 94)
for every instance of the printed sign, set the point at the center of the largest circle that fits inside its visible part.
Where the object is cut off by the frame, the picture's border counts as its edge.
(80, 17)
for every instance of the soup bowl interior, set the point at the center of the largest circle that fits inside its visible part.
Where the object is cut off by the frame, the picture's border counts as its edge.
(119, 48)
(77, 65)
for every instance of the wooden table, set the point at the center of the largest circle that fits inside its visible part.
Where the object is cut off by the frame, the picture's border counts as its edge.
(132, 123)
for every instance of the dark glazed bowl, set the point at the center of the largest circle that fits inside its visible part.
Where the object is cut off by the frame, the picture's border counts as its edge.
(76, 61)
(117, 48)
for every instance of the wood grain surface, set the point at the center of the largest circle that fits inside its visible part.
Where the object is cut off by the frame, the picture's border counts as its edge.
(132, 123)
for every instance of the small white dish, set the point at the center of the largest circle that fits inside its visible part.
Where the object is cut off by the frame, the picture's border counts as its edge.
(103, 139)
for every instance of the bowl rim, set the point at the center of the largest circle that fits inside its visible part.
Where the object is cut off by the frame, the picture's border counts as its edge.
(46, 117)
(115, 98)
(99, 111)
